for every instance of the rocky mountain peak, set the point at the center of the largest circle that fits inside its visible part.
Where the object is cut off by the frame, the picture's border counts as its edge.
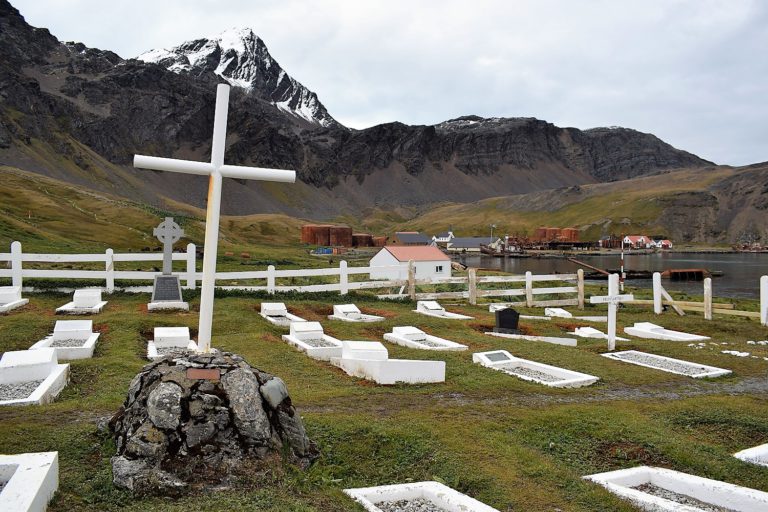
(241, 58)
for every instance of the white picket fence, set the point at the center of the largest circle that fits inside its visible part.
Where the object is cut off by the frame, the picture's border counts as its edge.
(527, 290)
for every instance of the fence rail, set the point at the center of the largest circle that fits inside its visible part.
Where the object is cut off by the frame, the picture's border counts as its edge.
(472, 283)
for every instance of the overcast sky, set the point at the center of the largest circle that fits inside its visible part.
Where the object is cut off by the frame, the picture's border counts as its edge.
(693, 72)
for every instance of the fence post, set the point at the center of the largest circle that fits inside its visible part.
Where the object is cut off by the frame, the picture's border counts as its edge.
(109, 267)
(472, 284)
(343, 278)
(580, 287)
(412, 279)
(271, 279)
(191, 266)
(16, 264)
(529, 289)
(764, 300)
(708, 298)
(657, 307)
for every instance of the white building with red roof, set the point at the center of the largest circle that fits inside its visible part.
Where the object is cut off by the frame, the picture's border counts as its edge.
(430, 262)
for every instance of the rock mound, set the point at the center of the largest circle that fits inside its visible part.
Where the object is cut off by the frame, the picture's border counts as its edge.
(193, 419)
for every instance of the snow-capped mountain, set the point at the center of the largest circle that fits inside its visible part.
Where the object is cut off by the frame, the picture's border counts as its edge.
(241, 58)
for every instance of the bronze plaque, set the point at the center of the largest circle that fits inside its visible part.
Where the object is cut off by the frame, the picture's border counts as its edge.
(203, 374)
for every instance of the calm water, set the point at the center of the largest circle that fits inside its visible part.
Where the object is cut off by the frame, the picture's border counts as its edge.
(741, 271)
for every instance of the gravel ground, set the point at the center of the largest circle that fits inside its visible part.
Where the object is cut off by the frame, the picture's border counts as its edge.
(17, 391)
(428, 343)
(319, 343)
(686, 369)
(416, 505)
(682, 499)
(170, 350)
(513, 369)
(68, 343)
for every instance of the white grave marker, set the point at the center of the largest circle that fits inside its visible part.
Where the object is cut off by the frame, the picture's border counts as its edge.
(215, 170)
(10, 298)
(613, 299)
(28, 481)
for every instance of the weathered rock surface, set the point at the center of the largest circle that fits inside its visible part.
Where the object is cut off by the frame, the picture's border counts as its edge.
(174, 427)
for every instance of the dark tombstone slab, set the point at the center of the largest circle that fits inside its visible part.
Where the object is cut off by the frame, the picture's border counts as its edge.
(496, 357)
(166, 289)
(506, 321)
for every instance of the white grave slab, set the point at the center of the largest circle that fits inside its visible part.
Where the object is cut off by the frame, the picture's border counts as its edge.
(310, 338)
(84, 302)
(591, 332)
(656, 332)
(168, 339)
(659, 489)
(276, 313)
(432, 308)
(28, 481)
(568, 342)
(31, 377)
(71, 339)
(168, 305)
(562, 313)
(370, 360)
(757, 455)
(533, 371)
(10, 298)
(351, 313)
(412, 337)
(667, 364)
(434, 493)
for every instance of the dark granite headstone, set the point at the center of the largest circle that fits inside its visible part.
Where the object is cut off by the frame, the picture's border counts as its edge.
(506, 321)
(167, 288)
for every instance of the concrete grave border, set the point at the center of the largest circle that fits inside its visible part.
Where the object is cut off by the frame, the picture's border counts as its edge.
(570, 378)
(283, 320)
(31, 481)
(339, 314)
(713, 371)
(446, 345)
(568, 342)
(440, 494)
(422, 309)
(51, 386)
(319, 353)
(755, 455)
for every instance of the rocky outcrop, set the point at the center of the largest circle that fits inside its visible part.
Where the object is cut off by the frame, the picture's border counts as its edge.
(179, 429)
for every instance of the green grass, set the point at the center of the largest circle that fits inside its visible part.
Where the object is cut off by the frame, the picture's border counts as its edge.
(512, 444)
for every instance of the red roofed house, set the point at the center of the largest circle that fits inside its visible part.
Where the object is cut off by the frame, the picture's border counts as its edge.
(638, 242)
(430, 262)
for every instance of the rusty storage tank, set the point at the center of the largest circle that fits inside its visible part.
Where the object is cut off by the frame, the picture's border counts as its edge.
(552, 234)
(322, 234)
(379, 241)
(570, 234)
(540, 234)
(340, 236)
(362, 240)
(307, 234)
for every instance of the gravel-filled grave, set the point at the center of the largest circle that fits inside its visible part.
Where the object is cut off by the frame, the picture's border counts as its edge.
(686, 369)
(513, 369)
(68, 343)
(682, 499)
(428, 343)
(414, 505)
(319, 343)
(18, 390)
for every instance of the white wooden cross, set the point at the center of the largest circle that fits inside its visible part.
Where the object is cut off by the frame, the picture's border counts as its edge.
(216, 170)
(613, 299)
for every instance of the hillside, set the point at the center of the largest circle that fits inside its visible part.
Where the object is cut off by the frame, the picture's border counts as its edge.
(79, 114)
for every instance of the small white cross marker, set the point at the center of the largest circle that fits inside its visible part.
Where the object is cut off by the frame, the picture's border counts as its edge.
(216, 170)
(613, 299)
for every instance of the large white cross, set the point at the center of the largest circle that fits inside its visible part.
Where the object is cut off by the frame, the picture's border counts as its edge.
(216, 170)
(613, 299)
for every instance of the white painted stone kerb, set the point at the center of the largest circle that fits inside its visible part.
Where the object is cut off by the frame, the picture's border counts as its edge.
(31, 480)
(167, 338)
(412, 337)
(591, 332)
(370, 360)
(71, 339)
(84, 302)
(568, 342)
(276, 313)
(756, 455)
(436, 493)
(533, 371)
(351, 313)
(432, 308)
(652, 331)
(667, 364)
(30, 366)
(168, 305)
(624, 483)
(309, 337)
(10, 298)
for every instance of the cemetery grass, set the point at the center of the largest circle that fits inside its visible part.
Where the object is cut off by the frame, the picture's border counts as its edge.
(511, 444)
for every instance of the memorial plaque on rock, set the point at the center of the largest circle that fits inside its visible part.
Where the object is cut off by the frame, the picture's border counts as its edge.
(167, 288)
(506, 321)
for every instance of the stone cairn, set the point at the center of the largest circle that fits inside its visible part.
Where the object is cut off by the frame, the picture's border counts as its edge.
(193, 419)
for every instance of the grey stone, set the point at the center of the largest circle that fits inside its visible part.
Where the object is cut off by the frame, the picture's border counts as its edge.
(199, 433)
(293, 430)
(147, 442)
(274, 391)
(242, 388)
(164, 405)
